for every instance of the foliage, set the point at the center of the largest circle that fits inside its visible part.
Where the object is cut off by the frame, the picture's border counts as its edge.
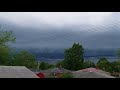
(59, 63)
(4, 55)
(88, 64)
(6, 37)
(50, 66)
(115, 66)
(104, 64)
(25, 58)
(5, 51)
(43, 66)
(67, 75)
(73, 59)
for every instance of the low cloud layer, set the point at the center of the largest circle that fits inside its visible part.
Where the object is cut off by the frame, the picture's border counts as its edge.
(62, 29)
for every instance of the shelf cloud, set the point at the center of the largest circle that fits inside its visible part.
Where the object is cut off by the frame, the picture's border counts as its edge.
(62, 29)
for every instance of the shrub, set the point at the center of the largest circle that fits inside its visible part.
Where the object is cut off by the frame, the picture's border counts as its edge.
(67, 75)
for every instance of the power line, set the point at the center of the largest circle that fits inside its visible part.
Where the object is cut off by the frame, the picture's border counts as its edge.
(74, 34)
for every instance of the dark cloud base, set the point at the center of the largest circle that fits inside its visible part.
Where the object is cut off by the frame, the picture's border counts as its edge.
(64, 37)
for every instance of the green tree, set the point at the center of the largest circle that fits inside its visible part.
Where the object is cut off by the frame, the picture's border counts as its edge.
(43, 65)
(51, 66)
(104, 64)
(88, 64)
(25, 58)
(73, 59)
(4, 55)
(59, 63)
(6, 37)
(115, 66)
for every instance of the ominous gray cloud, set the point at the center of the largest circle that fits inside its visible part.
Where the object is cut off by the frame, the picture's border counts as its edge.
(62, 29)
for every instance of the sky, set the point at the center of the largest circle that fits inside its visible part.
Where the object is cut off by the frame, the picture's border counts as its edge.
(93, 30)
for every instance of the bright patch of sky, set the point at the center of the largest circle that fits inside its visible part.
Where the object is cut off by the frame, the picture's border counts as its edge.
(56, 19)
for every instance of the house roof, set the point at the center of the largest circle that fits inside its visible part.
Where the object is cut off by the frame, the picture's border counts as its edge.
(91, 73)
(16, 72)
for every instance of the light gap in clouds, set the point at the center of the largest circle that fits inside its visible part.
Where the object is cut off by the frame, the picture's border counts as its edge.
(56, 19)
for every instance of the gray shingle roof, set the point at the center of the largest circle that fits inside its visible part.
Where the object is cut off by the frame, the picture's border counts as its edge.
(16, 72)
(91, 73)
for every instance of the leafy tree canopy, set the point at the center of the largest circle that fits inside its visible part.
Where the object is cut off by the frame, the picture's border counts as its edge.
(73, 57)
(6, 37)
(24, 58)
(104, 64)
(88, 64)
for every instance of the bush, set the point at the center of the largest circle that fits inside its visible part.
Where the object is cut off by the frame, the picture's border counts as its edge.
(104, 64)
(51, 66)
(59, 63)
(67, 75)
(88, 64)
(43, 66)
(115, 66)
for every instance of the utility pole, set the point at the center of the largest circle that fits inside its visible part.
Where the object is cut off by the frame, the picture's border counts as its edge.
(38, 64)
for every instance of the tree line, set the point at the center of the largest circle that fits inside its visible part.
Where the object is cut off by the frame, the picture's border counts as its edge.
(74, 60)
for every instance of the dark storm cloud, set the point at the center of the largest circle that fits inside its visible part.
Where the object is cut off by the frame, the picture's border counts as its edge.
(53, 34)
